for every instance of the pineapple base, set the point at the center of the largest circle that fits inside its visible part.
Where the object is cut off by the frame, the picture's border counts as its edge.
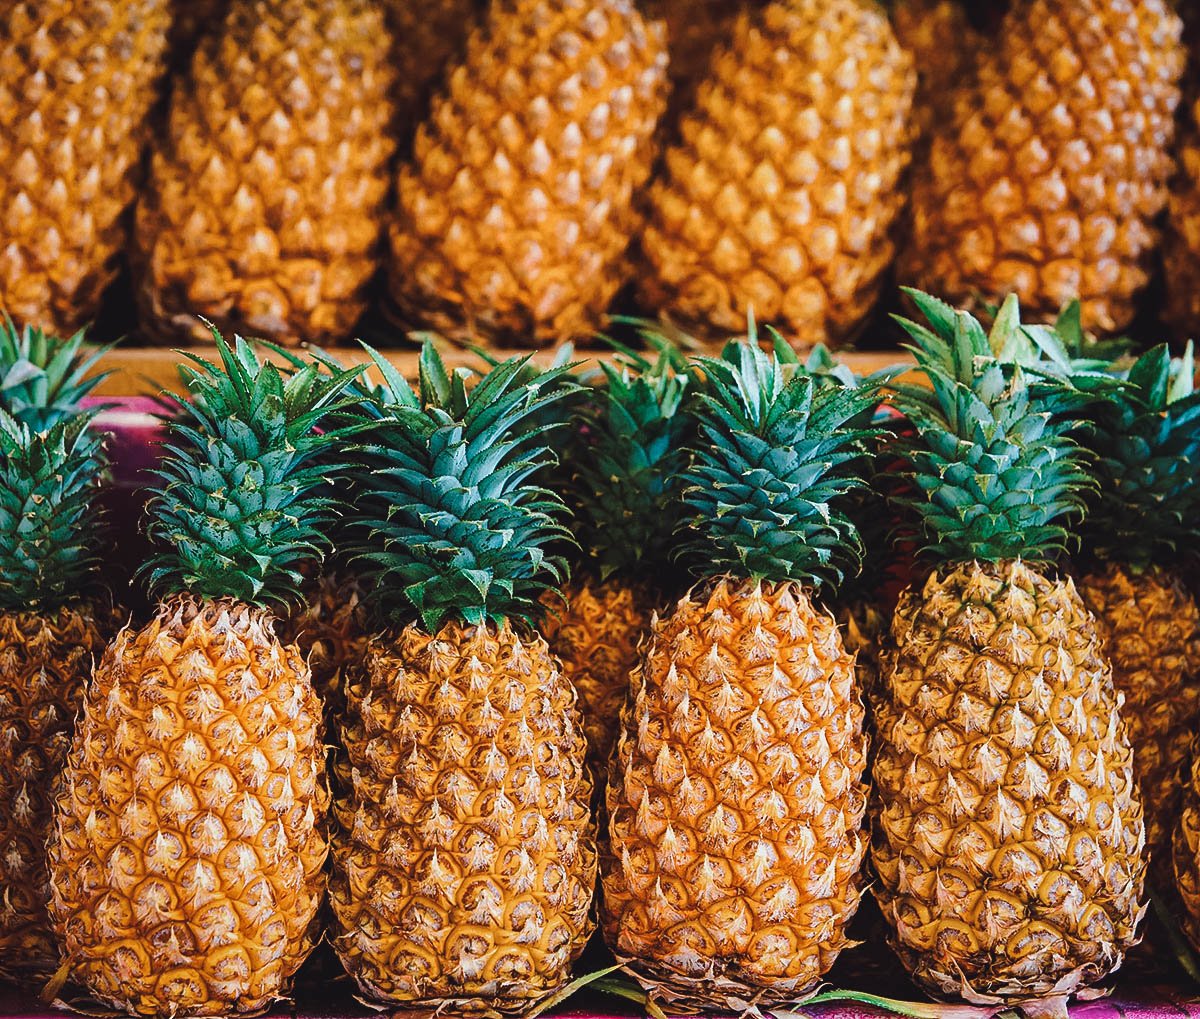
(736, 802)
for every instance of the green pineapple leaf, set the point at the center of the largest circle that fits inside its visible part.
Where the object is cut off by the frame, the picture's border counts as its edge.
(242, 502)
(452, 521)
(45, 378)
(49, 515)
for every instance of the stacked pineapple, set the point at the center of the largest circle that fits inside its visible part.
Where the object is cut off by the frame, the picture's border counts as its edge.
(188, 847)
(1009, 835)
(628, 477)
(736, 795)
(465, 856)
(54, 616)
(264, 206)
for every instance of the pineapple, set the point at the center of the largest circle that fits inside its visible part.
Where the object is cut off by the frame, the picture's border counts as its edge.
(428, 36)
(1008, 827)
(781, 194)
(518, 206)
(191, 20)
(465, 856)
(53, 617)
(626, 488)
(188, 847)
(265, 200)
(78, 79)
(1146, 437)
(736, 793)
(1047, 180)
(1181, 242)
(695, 28)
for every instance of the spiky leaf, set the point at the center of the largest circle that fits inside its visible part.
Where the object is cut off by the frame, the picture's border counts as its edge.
(49, 517)
(240, 507)
(452, 522)
(44, 378)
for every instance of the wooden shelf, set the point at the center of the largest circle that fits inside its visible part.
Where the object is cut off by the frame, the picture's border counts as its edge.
(147, 371)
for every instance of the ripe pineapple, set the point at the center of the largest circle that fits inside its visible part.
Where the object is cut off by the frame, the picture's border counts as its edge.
(186, 858)
(53, 618)
(518, 206)
(1008, 829)
(1146, 437)
(1181, 240)
(78, 79)
(626, 487)
(427, 37)
(781, 194)
(264, 206)
(736, 794)
(695, 28)
(465, 857)
(1047, 180)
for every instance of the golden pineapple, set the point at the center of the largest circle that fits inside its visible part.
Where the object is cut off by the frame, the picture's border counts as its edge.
(736, 794)
(781, 194)
(78, 79)
(1181, 240)
(1008, 834)
(428, 36)
(264, 206)
(465, 854)
(1047, 180)
(54, 620)
(695, 28)
(188, 849)
(518, 206)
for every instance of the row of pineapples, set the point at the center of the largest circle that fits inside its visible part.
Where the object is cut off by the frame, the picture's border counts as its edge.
(169, 852)
(550, 167)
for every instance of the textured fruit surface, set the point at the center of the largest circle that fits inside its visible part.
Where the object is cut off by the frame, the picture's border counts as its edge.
(518, 206)
(265, 202)
(864, 630)
(1152, 627)
(466, 858)
(596, 636)
(45, 659)
(187, 856)
(77, 81)
(427, 36)
(694, 30)
(331, 632)
(736, 802)
(1187, 851)
(944, 45)
(781, 193)
(1047, 180)
(1008, 830)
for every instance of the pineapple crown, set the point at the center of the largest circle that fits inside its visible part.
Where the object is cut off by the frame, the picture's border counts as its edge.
(630, 465)
(49, 520)
(451, 522)
(1145, 434)
(241, 504)
(777, 450)
(44, 378)
(997, 473)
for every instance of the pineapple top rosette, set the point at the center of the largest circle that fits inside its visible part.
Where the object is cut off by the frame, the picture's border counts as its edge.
(1004, 767)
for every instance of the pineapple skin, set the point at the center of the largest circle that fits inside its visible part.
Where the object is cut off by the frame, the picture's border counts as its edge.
(944, 45)
(1008, 828)
(465, 855)
(1181, 240)
(736, 802)
(517, 208)
(695, 28)
(781, 194)
(1040, 185)
(330, 629)
(596, 637)
(1151, 624)
(198, 764)
(264, 207)
(45, 660)
(78, 79)
(1186, 850)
